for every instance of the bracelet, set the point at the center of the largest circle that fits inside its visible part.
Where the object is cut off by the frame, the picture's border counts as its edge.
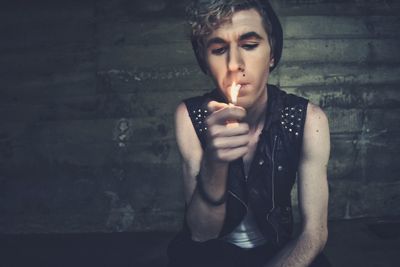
(206, 197)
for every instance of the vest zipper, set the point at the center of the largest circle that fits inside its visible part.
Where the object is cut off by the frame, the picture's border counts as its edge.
(245, 180)
(273, 172)
(273, 186)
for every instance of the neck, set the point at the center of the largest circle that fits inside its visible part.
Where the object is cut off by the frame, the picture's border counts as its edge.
(256, 114)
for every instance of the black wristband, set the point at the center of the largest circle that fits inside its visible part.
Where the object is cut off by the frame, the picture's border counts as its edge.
(206, 197)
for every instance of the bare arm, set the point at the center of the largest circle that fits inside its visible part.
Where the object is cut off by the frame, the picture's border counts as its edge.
(224, 144)
(313, 193)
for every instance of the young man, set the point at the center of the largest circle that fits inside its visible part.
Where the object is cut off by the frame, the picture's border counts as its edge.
(241, 160)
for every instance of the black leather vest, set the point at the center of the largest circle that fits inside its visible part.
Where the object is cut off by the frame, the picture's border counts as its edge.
(273, 169)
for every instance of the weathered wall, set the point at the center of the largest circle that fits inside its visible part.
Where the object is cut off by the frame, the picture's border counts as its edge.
(88, 90)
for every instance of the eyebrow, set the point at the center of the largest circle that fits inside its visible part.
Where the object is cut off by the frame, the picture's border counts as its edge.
(215, 40)
(249, 35)
(245, 36)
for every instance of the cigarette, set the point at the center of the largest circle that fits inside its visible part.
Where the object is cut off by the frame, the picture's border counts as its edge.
(235, 92)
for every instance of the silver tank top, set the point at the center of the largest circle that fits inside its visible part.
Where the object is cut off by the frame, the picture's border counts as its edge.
(246, 235)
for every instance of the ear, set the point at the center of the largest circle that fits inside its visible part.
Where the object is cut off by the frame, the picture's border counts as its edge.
(271, 62)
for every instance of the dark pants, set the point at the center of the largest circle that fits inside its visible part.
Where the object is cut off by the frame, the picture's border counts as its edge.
(184, 252)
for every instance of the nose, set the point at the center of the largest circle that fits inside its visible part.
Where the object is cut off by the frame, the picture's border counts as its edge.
(235, 60)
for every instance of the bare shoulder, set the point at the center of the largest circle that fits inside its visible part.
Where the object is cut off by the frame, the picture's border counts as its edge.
(315, 116)
(188, 144)
(181, 115)
(316, 140)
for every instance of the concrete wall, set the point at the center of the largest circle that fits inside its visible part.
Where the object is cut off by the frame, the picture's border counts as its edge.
(88, 90)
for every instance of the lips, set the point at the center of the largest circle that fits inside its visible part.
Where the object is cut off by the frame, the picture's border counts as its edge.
(242, 82)
(242, 91)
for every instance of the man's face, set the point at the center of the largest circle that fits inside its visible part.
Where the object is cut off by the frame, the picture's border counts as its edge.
(240, 52)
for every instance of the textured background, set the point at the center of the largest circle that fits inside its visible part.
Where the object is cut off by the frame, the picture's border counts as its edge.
(88, 90)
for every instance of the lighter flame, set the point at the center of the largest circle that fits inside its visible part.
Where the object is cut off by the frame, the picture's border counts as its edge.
(235, 92)
(234, 95)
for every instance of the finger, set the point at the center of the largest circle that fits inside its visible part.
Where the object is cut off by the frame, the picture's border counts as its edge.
(229, 113)
(232, 154)
(213, 106)
(230, 142)
(221, 130)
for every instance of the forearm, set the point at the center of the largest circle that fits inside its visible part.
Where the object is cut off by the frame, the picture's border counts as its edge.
(204, 219)
(301, 251)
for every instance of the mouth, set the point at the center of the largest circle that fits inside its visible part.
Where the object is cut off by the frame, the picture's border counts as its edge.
(242, 86)
(235, 90)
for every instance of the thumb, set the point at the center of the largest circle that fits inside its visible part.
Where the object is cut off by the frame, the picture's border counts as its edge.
(215, 106)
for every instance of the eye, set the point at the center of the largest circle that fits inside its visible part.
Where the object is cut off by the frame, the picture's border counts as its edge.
(249, 46)
(218, 51)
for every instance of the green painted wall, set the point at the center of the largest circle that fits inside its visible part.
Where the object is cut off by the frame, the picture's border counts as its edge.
(88, 90)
